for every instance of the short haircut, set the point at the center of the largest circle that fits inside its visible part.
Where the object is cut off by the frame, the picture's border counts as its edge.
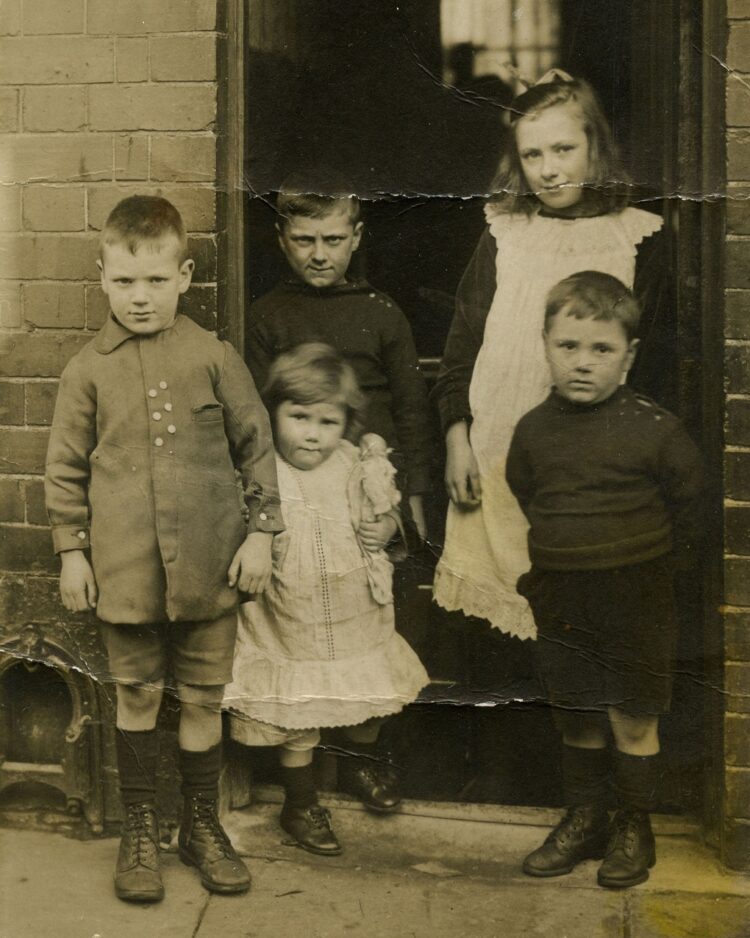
(311, 373)
(298, 196)
(591, 294)
(142, 218)
(607, 185)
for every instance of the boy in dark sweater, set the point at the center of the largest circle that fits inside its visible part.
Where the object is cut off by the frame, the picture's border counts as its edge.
(609, 483)
(319, 302)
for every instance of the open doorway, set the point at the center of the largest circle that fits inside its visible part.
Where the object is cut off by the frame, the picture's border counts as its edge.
(407, 100)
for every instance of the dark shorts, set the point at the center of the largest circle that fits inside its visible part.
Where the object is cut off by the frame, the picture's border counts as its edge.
(195, 652)
(606, 637)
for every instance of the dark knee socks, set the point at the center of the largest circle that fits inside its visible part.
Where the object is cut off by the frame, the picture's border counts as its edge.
(200, 773)
(585, 775)
(137, 754)
(637, 781)
(299, 785)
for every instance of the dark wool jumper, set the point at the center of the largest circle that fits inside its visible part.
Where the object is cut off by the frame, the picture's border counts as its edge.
(604, 485)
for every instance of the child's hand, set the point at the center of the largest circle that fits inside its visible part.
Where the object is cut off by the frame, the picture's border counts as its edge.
(374, 535)
(417, 512)
(461, 471)
(77, 584)
(250, 570)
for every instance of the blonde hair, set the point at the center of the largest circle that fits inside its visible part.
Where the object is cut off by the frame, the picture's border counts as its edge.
(142, 218)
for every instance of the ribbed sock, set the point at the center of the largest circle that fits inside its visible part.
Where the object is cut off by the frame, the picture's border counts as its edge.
(299, 785)
(637, 781)
(585, 775)
(137, 755)
(200, 772)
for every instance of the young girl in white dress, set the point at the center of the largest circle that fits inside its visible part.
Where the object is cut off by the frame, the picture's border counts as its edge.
(318, 647)
(561, 207)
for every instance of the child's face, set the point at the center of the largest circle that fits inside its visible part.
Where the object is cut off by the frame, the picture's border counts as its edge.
(319, 250)
(307, 434)
(144, 288)
(587, 357)
(553, 148)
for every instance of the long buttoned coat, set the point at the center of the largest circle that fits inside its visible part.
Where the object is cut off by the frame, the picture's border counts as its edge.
(146, 436)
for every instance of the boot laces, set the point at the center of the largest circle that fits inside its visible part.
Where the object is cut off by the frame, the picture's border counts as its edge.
(206, 819)
(320, 817)
(138, 827)
(627, 829)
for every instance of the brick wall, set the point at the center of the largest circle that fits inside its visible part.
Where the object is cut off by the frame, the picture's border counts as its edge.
(737, 439)
(98, 99)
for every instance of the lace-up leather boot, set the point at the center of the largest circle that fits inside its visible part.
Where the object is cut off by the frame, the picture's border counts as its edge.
(203, 843)
(311, 828)
(137, 876)
(631, 851)
(374, 783)
(580, 835)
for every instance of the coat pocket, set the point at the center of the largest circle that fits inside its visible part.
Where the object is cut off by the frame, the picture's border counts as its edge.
(208, 413)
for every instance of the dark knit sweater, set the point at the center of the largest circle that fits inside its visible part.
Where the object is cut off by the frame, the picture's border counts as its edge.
(372, 334)
(604, 485)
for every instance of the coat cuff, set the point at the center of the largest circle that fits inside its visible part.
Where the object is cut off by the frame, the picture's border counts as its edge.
(452, 410)
(70, 537)
(264, 515)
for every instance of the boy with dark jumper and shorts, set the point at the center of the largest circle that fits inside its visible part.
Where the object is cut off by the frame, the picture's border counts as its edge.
(609, 483)
(320, 302)
(152, 418)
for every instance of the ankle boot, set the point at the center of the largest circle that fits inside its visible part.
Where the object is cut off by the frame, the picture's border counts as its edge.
(376, 784)
(203, 843)
(137, 876)
(311, 827)
(631, 851)
(580, 835)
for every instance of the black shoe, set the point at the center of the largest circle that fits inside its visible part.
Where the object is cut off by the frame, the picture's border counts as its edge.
(311, 828)
(580, 835)
(377, 786)
(137, 876)
(631, 851)
(203, 843)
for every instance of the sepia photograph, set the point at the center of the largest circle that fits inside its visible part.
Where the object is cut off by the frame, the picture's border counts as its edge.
(375, 468)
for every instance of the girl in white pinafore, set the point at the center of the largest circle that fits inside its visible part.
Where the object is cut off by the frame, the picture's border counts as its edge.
(560, 211)
(318, 647)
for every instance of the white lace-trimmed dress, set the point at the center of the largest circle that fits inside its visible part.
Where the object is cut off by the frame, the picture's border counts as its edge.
(485, 550)
(317, 649)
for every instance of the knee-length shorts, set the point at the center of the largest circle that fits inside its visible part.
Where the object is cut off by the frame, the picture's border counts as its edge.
(606, 638)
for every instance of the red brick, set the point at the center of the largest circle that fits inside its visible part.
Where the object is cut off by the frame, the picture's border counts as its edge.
(64, 158)
(738, 155)
(737, 531)
(10, 18)
(737, 368)
(199, 303)
(737, 683)
(36, 507)
(8, 110)
(40, 354)
(141, 17)
(738, 48)
(738, 210)
(131, 59)
(737, 636)
(11, 500)
(738, 9)
(735, 844)
(22, 450)
(53, 61)
(97, 306)
(152, 107)
(738, 101)
(54, 208)
(183, 158)
(737, 426)
(10, 208)
(183, 58)
(737, 739)
(737, 314)
(48, 256)
(737, 802)
(10, 305)
(41, 17)
(11, 403)
(40, 402)
(54, 305)
(197, 206)
(49, 108)
(737, 476)
(26, 549)
(737, 581)
(131, 157)
(738, 264)
(203, 252)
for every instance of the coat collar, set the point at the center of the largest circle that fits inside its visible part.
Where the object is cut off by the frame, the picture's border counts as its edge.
(112, 335)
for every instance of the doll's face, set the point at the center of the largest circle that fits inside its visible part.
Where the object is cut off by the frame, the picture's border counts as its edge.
(307, 434)
(553, 148)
